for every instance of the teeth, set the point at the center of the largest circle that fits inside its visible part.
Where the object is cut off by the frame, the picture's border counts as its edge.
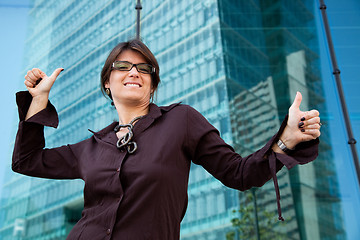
(132, 85)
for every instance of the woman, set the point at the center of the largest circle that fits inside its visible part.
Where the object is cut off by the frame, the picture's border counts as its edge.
(136, 172)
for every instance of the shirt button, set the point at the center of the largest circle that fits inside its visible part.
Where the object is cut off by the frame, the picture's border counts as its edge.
(108, 231)
(118, 170)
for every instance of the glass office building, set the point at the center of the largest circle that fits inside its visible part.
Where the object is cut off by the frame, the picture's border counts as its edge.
(239, 62)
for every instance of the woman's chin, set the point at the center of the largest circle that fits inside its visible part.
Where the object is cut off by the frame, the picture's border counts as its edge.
(134, 100)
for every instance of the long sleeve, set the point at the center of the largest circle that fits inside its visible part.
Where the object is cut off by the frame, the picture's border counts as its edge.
(29, 155)
(219, 159)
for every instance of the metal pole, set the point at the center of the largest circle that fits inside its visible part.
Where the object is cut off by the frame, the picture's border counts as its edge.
(138, 8)
(336, 72)
(256, 215)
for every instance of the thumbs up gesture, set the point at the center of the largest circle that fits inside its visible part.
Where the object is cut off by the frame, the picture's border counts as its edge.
(38, 83)
(301, 126)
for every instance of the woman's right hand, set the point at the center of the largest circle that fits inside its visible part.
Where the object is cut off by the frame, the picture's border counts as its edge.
(38, 83)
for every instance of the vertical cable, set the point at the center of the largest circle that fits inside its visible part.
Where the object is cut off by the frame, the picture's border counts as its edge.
(336, 72)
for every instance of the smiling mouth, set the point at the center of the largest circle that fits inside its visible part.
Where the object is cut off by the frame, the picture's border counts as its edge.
(132, 85)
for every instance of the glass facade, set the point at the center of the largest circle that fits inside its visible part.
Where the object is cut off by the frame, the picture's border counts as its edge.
(239, 63)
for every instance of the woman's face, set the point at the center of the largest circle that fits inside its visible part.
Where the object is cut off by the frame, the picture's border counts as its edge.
(130, 87)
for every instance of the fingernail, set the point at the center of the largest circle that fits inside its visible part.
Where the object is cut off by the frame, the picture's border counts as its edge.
(303, 130)
(62, 70)
(302, 119)
(301, 124)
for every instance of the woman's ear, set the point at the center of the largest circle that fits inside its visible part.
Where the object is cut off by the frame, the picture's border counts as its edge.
(107, 84)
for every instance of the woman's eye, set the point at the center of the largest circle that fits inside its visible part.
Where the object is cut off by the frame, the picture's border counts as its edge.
(144, 69)
(122, 66)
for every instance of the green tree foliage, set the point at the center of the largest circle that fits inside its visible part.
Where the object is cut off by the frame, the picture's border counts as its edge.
(245, 225)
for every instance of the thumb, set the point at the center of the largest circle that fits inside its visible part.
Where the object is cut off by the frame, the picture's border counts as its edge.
(297, 101)
(56, 73)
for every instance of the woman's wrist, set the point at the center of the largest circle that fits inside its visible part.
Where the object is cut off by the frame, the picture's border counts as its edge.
(38, 103)
(283, 146)
(41, 98)
(287, 138)
(286, 143)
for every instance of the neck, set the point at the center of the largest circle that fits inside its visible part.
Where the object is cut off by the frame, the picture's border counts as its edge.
(127, 113)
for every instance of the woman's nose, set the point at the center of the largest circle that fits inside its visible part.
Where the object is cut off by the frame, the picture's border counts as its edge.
(133, 72)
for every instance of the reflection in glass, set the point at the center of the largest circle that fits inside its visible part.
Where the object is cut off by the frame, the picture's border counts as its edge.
(238, 62)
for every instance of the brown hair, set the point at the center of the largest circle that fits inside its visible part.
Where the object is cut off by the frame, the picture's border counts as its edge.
(134, 45)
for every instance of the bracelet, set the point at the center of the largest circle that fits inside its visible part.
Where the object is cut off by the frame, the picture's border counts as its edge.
(283, 147)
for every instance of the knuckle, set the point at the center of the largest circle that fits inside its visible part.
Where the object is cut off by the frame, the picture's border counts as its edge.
(314, 113)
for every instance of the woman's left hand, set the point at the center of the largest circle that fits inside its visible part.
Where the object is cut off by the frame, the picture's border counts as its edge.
(301, 126)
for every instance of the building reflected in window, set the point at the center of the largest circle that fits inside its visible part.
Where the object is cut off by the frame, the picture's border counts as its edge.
(239, 63)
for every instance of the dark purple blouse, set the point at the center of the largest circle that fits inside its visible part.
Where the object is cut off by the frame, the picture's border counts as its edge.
(144, 195)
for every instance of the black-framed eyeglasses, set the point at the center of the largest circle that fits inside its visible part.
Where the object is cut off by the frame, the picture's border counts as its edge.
(127, 66)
